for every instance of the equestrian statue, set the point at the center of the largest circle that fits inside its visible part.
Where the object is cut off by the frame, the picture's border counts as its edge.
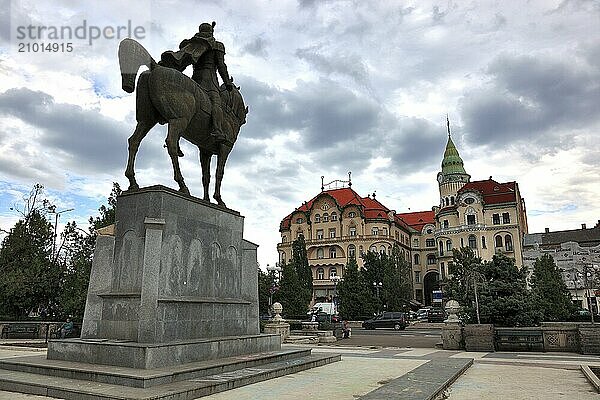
(197, 109)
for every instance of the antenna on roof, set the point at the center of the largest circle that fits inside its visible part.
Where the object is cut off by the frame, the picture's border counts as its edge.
(448, 124)
(322, 183)
(349, 178)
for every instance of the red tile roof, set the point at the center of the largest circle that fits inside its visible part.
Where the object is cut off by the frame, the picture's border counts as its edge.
(492, 191)
(370, 207)
(418, 219)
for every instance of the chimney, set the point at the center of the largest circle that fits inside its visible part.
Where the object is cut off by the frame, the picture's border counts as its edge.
(547, 230)
(583, 226)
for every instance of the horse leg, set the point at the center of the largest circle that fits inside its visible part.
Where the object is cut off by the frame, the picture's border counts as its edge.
(222, 155)
(205, 157)
(141, 130)
(176, 129)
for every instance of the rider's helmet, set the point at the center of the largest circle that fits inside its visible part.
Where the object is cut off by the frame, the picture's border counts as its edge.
(206, 29)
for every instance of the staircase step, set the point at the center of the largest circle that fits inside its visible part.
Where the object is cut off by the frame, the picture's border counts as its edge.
(77, 389)
(143, 378)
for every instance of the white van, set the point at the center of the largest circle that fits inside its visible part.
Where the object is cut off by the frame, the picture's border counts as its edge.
(326, 308)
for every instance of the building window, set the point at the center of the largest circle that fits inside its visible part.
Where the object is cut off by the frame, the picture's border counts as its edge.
(496, 219)
(469, 200)
(334, 216)
(442, 270)
(471, 219)
(452, 200)
(416, 257)
(462, 242)
(319, 233)
(385, 232)
(320, 273)
(508, 243)
(332, 271)
(351, 251)
(282, 258)
(430, 259)
(360, 250)
(332, 252)
(374, 231)
(284, 239)
(299, 220)
(382, 249)
(483, 242)
(317, 218)
(299, 234)
(505, 218)
(472, 242)
(447, 202)
(325, 217)
(430, 242)
(352, 231)
(373, 249)
(416, 243)
(319, 253)
(449, 245)
(446, 224)
(351, 214)
(332, 232)
(499, 241)
(417, 276)
(441, 248)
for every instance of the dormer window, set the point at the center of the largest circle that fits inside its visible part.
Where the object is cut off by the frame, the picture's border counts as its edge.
(469, 200)
(318, 218)
(351, 214)
(299, 220)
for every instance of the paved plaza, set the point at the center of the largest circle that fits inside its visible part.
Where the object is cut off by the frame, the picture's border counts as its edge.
(384, 372)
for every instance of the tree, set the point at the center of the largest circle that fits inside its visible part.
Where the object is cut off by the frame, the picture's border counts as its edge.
(303, 270)
(463, 281)
(29, 277)
(290, 292)
(354, 294)
(264, 285)
(549, 291)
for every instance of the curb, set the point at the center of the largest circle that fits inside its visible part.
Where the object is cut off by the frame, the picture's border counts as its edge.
(591, 377)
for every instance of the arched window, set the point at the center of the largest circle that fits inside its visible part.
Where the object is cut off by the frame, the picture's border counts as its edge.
(332, 271)
(320, 273)
(334, 216)
(508, 243)
(471, 216)
(417, 259)
(317, 218)
(430, 259)
(452, 200)
(441, 248)
(447, 202)
(498, 240)
(332, 252)
(483, 245)
(449, 245)
(382, 249)
(319, 253)
(299, 220)
(352, 251)
(325, 217)
(373, 248)
(472, 241)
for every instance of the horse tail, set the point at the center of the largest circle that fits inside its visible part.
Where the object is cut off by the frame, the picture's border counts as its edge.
(132, 55)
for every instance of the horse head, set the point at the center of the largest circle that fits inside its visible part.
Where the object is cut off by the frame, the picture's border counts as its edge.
(234, 107)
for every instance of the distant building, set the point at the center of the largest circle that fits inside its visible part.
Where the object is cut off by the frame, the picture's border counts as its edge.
(576, 253)
(337, 224)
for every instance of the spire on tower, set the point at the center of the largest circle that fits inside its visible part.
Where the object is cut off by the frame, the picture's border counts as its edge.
(448, 124)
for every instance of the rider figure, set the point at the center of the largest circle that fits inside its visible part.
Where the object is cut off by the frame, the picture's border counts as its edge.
(207, 57)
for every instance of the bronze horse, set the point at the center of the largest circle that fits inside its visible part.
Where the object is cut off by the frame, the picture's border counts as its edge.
(165, 95)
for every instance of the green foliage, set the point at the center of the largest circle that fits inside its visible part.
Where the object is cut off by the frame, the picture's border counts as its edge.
(264, 284)
(290, 292)
(303, 270)
(502, 292)
(355, 297)
(393, 272)
(549, 291)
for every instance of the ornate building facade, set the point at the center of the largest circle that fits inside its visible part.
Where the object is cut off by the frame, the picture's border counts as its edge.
(337, 224)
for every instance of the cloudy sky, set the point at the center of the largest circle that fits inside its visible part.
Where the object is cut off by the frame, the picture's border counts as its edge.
(332, 86)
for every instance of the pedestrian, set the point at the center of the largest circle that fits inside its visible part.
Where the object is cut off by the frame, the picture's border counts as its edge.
(346, 329)
(66, 328)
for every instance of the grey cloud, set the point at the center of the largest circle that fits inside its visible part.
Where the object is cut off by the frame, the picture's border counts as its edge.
(530, 95)
(257, 47)
(349, 64)
(90, 140)
(437, 15)
(417, 144)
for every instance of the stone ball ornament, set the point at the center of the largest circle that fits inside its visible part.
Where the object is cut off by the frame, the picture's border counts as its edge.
(277, 309)
(452, 309)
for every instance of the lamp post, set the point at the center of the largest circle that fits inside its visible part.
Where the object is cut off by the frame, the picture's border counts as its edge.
(274, 282)
(56, 215)
(335, 279)
(378, 286)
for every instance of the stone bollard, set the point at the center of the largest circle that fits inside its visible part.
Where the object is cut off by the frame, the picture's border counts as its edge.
(452, 338)
(277, 325)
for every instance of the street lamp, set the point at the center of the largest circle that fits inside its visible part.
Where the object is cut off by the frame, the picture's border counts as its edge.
(272, 270)
(335, 279)
(56, 215)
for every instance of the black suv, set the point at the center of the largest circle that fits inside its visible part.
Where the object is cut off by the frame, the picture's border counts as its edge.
(396, 320)
(436, 315)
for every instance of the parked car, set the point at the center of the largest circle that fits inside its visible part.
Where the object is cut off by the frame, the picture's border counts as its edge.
(422, 313)
(436, 315)
(388, 319)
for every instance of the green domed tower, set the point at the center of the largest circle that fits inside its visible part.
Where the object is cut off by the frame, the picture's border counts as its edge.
(453, 175)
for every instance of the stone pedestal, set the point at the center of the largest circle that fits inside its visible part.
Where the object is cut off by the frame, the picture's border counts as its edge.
(452, 336)
(589, 338)
(479, 337)
(310, 326)
(176, 276)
